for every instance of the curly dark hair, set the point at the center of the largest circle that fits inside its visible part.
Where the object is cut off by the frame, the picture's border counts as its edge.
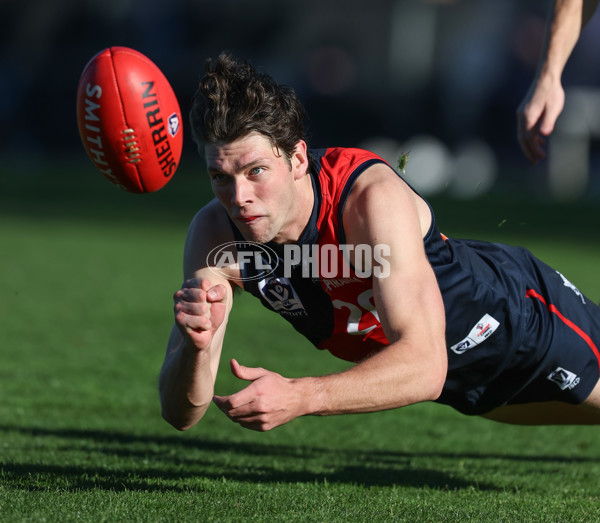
(234, 100)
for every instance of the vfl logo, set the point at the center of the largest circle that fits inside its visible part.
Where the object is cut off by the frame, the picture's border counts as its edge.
(482, 330)
(282, 296)
(565, 379)
(568, 284)
(173, 124)
(229, 260)
(463, 346)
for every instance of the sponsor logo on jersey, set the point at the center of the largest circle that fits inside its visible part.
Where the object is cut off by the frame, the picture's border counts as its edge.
(564, 378)
(482, 330)
(336, 283)
(569, 285)
(281, 296)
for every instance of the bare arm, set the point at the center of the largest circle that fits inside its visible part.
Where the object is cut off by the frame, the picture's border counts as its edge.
(201, 309)
(537, 113)
(381, 210)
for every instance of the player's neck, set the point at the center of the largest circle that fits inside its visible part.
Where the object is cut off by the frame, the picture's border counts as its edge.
(301, 213)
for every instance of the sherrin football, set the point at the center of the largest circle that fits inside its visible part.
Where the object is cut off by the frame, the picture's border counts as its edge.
(129, 120)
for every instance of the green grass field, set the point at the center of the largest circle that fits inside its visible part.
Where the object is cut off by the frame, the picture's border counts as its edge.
(86, 278)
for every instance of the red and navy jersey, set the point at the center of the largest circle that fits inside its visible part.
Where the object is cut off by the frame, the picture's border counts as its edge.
(324, 298)
(507, 340)
(356, 331)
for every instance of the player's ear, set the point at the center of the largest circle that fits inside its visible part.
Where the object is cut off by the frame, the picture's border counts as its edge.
(299, 160)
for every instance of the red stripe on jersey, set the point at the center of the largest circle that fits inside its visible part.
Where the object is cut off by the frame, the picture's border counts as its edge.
(533, 294)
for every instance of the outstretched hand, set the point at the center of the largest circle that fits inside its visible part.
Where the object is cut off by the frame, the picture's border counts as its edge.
(269, 400)
(536, 117)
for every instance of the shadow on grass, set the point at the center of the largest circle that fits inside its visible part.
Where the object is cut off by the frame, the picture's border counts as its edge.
(118, 461)
(41, 477)
(172, 463)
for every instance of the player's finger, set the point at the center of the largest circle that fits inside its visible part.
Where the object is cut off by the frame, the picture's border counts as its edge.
(192, 307)
(538, 147)
(256, 423)
(190, 294)
(232, 402)
(524, 137)
(548, 121)
(530, 150)
(531, 143)
(240, 399)
(247, 418)
(525, 143)
(237, 413)
(216, 293)
(197, 283)
(249, 421)
(192, 322)
(246, 373)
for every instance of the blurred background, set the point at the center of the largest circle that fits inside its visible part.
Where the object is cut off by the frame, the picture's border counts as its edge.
(439, 79)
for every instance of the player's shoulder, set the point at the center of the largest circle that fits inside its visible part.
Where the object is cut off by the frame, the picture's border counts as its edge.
(380, 181)
(342, 160)
(381, 194)
(211, 221)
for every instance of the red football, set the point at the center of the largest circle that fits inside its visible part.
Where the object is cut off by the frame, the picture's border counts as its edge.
(129, 120)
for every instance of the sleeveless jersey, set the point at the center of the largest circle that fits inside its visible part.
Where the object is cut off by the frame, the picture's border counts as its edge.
(322, 296)
(499, 339)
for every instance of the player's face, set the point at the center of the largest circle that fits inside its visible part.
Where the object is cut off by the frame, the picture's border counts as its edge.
(258, 187)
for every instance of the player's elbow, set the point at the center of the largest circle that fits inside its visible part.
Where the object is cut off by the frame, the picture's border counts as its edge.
(436, 387)
(181, 416)
(437, 371)
(173, 420)
(432, 389)
(179, 422)
(178, 411)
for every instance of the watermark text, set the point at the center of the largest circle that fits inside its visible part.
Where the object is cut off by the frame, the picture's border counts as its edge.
(255, 261)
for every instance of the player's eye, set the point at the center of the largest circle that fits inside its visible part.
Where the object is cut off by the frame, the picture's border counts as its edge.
(218, 177)
(256, 171)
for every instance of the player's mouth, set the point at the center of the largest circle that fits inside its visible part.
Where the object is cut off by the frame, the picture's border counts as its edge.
(248, 219)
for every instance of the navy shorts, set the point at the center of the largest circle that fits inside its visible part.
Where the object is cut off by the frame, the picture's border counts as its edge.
(570, 367)
(533, 337)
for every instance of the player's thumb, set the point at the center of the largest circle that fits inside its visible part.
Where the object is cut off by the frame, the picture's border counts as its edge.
(216, 293)
(246, 373)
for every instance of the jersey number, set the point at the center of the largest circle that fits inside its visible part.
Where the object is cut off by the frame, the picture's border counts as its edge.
(365, 306)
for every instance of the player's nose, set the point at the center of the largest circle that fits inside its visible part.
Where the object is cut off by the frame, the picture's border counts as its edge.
(241, 192)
